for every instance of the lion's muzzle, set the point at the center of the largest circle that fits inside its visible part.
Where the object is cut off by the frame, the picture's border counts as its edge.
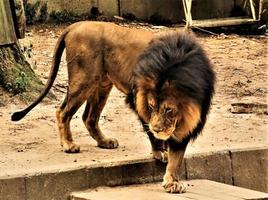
(160, 132)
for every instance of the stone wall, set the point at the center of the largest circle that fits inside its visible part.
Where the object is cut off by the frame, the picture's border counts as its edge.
(146, 10)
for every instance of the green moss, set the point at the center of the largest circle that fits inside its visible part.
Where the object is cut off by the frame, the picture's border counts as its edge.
(16, 75)
(18, 85)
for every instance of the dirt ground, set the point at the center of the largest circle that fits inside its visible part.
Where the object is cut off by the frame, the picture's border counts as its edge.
(33, 145)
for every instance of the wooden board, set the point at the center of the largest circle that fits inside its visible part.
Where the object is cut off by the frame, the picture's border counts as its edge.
(231, 21)
(198, 190)
(7, 32)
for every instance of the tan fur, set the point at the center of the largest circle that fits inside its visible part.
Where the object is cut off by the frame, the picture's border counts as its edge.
(143, 86)
(100, 55)
(141, 105)
(190, 118)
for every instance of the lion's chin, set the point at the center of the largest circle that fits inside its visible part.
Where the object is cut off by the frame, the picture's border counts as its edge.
(162, 136)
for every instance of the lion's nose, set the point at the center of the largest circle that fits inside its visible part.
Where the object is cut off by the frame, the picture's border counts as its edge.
(157, 129)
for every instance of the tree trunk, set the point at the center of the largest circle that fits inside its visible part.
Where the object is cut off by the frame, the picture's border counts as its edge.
(16, 74)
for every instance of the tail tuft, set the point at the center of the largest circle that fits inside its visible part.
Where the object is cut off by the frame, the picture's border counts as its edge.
(18, 115)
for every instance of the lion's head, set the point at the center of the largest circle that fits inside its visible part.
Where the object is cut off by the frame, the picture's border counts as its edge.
(173, 86)
(166, 110)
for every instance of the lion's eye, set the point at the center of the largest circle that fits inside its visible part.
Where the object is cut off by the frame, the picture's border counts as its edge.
(151, 107)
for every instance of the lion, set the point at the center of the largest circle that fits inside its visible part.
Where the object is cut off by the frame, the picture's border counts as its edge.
(168, 81)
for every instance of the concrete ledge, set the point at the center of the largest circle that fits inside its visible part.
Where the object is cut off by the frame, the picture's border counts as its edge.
(250, 168)
(241, 167)
(212, 166)
(13, 188)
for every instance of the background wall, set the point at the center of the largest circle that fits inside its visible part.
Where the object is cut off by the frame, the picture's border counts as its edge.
(147, 10)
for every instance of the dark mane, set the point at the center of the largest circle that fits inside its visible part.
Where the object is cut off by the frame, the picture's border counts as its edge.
(179, 59)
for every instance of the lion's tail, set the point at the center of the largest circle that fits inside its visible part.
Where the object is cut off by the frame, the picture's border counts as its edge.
(52, 76)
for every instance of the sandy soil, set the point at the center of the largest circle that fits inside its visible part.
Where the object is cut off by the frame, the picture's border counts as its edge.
(32, 144)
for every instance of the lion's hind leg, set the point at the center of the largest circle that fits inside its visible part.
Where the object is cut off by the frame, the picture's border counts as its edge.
(91, 115)
(64, 115)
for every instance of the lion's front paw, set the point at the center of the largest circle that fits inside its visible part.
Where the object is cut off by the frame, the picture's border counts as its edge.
(175, 187)
(161, 156)
(70, 147)
(109, 143)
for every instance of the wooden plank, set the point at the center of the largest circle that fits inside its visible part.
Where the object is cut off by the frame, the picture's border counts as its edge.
(232, 21)
(247, 108)
(7, 32)
(210, 195)
(136, 192)
(252, 9)
(228, 190)
(198, 190)
(260, 9)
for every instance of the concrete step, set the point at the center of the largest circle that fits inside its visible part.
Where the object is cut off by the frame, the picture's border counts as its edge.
(198, 190)
(57, 182)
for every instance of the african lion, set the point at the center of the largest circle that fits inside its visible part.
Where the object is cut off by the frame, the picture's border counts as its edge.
(168, 80)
